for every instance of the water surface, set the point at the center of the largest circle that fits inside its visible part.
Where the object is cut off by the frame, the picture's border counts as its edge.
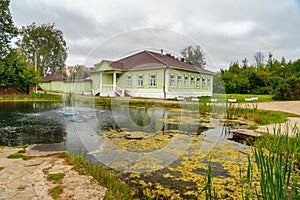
(158, 150)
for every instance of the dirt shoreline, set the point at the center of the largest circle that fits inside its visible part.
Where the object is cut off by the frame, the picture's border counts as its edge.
(283, 106)
(27, 179)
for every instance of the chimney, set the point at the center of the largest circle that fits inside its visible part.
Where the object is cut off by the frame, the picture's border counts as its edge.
(161, 52)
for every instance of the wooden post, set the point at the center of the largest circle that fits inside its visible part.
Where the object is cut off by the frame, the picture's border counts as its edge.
(115, 81)
(101, 76)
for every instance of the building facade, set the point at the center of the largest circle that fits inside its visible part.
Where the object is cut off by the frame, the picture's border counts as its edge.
(144, 74)
(151, 75)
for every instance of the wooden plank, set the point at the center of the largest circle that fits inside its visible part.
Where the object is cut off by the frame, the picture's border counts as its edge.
(245, 132)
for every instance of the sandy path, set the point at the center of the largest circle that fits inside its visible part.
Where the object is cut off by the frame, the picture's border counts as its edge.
(284, 106)
(27, 179)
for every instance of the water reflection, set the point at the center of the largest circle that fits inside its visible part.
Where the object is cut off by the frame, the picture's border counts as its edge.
(171, 146)
(30, 123)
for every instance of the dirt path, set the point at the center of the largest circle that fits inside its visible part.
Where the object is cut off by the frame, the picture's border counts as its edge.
(284, 106)
(27, 179)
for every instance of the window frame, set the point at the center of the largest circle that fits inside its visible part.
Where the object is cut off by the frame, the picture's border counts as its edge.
(179, 80)
(129, 80)
(172, 80)
(208, 83)
(203, 83)
(186, 81)
(198, 82)
(140, 80)
(153, 82)
(192, 82)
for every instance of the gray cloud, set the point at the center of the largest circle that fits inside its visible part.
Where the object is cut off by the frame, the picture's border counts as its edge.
(228, 30)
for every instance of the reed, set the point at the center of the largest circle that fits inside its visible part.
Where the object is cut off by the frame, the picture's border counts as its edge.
(276, 158)
(116, 189)
(210, 192)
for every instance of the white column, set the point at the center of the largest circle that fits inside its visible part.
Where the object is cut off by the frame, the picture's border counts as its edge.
(101, 75)
(167, 77)
(115, 81)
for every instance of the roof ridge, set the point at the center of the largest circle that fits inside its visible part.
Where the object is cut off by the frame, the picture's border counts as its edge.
(180, 61)
(150, 53)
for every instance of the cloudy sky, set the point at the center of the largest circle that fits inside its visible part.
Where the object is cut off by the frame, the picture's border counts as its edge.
(227, 30)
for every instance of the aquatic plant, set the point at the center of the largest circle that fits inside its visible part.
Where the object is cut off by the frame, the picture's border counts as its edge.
(210, 192)
(274, 174)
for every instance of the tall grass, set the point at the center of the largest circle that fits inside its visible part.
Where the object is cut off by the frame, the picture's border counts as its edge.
(277, 160)
(280, 142)
(116, 189)
(210, 192)
(32, 96)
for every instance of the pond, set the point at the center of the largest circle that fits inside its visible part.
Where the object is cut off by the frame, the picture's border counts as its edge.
(162, 152)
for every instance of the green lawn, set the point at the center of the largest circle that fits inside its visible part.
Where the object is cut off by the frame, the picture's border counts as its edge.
(240, 97)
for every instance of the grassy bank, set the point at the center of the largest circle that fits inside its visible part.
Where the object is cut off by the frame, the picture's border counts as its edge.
(32, 97)
(145, 103)
(229, 110)
(239, 97)
(273, 170)
(260, 117)
(116, 189)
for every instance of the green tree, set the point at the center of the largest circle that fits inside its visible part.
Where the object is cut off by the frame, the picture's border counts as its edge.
(81, 72)
(194, 55)
(259, 58)
(218, 84)
(7, 28)
(16, 71)
(46, 44)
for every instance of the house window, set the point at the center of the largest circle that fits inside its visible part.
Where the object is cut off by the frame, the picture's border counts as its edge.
(208, 83)
(140, 80)
(203, 82)
(192, 82)
(129, 81)
(153, 80)
(186, 82)
(172, 80)
(198, 82)
(179, 82)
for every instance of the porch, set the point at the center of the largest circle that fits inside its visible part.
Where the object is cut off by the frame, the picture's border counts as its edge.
(108, 85)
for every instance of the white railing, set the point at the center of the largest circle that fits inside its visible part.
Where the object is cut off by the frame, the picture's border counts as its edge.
(120, 91)
(109, 88)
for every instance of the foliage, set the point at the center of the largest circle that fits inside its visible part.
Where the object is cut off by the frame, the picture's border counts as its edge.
(32, 96)
(19, 155)
(194, 55)
(15, 71)
(210, 192)
(46, 44)
(275, 168)
(7, 28)
(241, 97)
(273, 77)
(218, 84)
(56, 191)
(55, 177)
(116, 189)
(79, 72)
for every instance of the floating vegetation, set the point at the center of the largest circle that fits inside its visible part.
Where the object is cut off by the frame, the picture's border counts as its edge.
(141, 141)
